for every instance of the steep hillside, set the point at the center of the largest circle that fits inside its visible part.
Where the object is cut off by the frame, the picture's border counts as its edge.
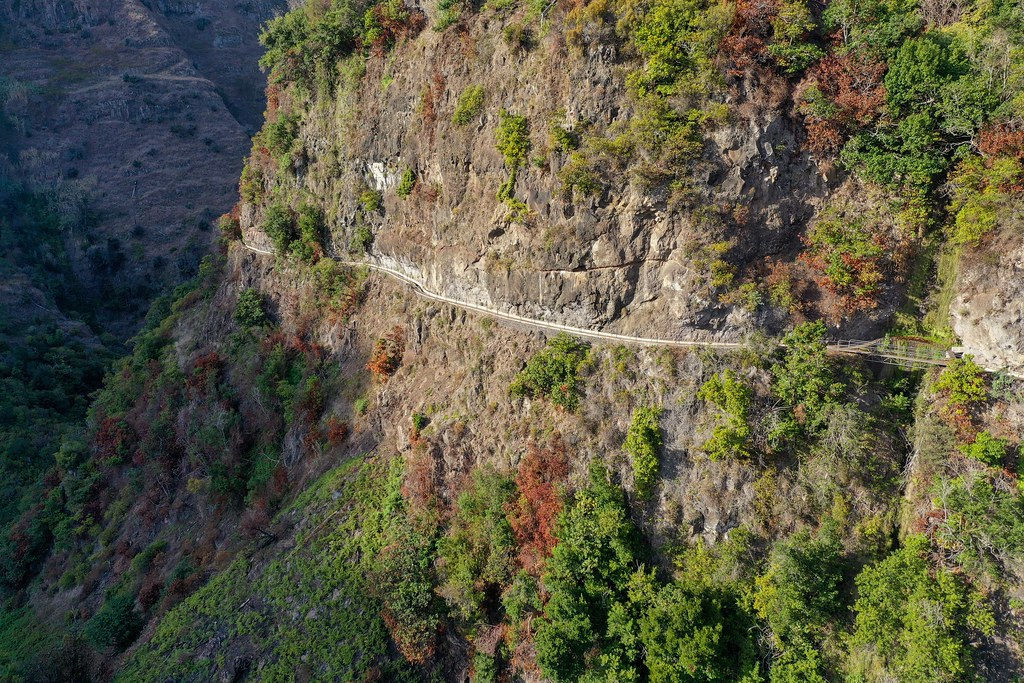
(139, 113)
(306, 471)
(122, 127)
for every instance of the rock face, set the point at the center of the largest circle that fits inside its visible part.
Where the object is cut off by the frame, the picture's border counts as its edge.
(142, 110)
(632, 259)
(988, 309)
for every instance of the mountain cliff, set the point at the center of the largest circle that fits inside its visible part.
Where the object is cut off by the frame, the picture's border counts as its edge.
(309, 470)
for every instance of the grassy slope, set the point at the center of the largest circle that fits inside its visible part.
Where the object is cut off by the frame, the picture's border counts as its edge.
(308, 609)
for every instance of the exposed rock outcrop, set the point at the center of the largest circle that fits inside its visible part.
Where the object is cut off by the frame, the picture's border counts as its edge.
(988, 309)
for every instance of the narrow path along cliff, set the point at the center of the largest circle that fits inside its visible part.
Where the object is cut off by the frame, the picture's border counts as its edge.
(894, 351)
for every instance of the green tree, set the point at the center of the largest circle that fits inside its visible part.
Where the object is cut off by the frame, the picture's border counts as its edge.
(475, 557)
(588, 578)
(116, 624)
(962, 385)
(695, 634)
(404, 580)
(806, 379)
(987, 448)
(554, 372)
(919, 69)
(874, 27)
(800, 663)
(249, 309)
(309, 245)
(643, 441)
(512, 139)
(798, 594)
(730, 436)
(791, 30)
(280, 133)
(918, 620)
(676, 41)
(279, 226)
(983, 530)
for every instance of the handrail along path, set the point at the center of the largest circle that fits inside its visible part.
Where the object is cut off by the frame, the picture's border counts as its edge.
(894, 351)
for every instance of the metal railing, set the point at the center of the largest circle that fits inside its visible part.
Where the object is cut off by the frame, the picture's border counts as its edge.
(904, 351)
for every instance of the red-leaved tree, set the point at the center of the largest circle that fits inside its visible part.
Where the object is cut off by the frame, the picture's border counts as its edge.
(534, 514)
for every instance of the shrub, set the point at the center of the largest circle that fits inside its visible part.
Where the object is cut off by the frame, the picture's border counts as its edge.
(387, 21)
(800, 663)
(485, 668)
(517, 36)
(730, 436)
(249, 309)
(360, 405)
(406, 184)
(337, 431)
(512, 139)
(962, 386)
(370, 200)
(670, 137)
(578, 176)
(643, 441)
(261, 470)
(918, 620)
(560, 138)
(387, 354)
(279, 226)
(449, 13)
(987, 448)
(116, 624)
(469, 105)
(553, 372)
(338, 288)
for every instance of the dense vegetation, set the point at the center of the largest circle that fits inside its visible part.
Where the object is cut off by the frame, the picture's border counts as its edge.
(51, 358)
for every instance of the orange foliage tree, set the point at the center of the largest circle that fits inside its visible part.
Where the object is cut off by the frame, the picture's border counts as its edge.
(387, 354)
(534, 514)
(746, 45)
(1002, 139)
(841, 94)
